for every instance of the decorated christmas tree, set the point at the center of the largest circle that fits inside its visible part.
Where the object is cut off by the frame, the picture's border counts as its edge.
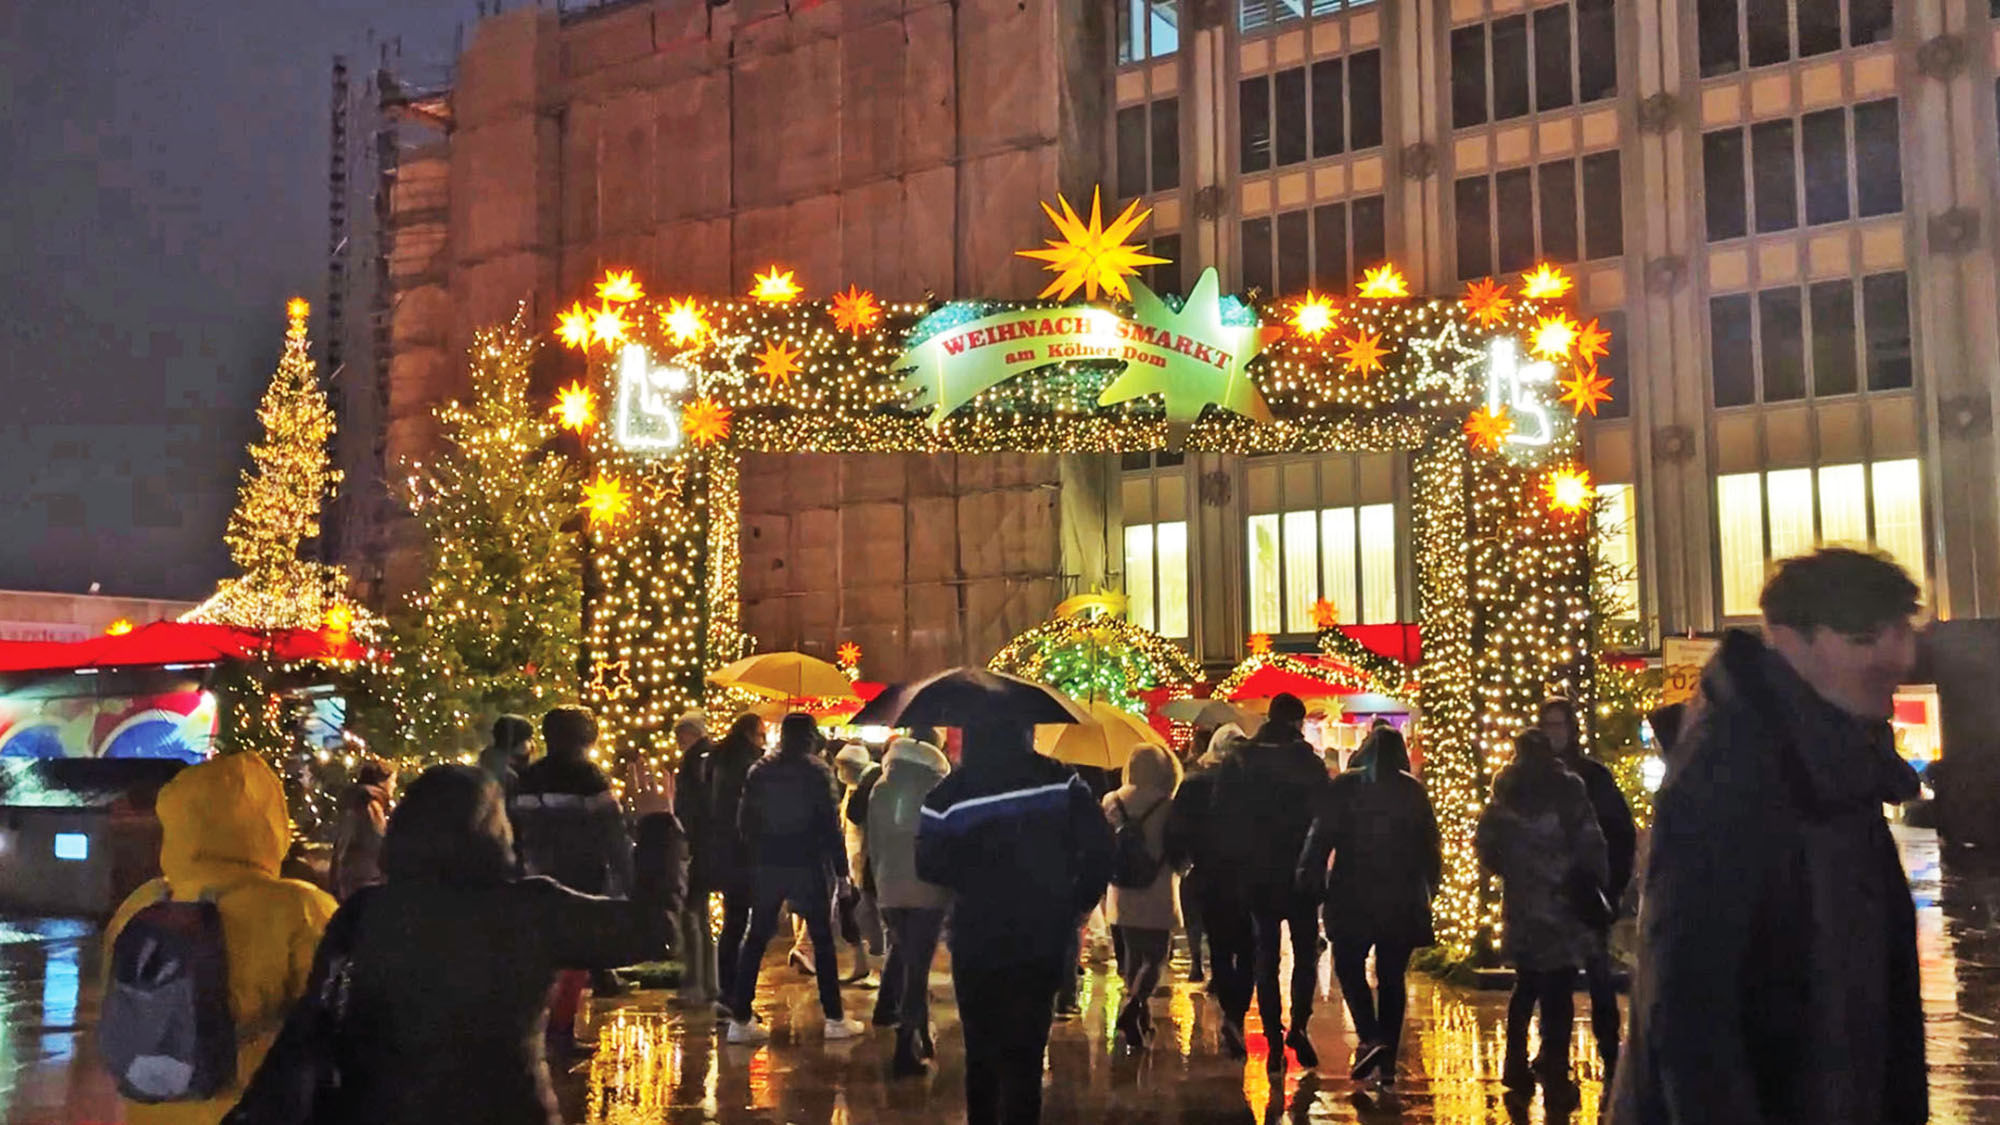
(494, 626)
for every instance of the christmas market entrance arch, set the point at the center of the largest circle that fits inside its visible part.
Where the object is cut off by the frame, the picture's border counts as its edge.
(1481, 388)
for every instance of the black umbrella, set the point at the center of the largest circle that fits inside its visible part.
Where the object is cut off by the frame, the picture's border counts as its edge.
(959, 697)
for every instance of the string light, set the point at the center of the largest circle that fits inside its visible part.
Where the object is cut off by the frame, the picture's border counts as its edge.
(1090, 652)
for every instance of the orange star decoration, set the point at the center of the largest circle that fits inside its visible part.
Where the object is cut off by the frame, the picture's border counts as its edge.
(573, 326)
(338, 619)
(1544, 281)
(705, 421)
(848, 653)
(619, 287)
(608, 326)
(778, 363)
(575, 408)
(1313, 315)
(297, 309)
(606, 499)
(1363, 353)
(683, 321)
(855, 310)
(1592, 343)
(1554, 336)
(1487, 301)
(1586, 390)
(775, 287)
(119, 627)
(1488, 428)
(1091, 256)
(1260, 644)
(1325, 614)
(1384, 282)
(1568, 489)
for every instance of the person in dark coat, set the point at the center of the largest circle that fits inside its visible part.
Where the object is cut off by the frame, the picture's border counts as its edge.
(1377, 825)
(718, 867)
(357, 839)
(1225, 915)
(1539, 834)
(567, 821)
(1021, 844)
(1558, 720)
(453, 956)
(1777, 978)
(700, 982)
(797, 856)
(1264, 798)
(507, 755)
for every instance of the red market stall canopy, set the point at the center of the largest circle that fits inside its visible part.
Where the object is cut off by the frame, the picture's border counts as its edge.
(178, 643)
(1308, 677)
(1399, 641)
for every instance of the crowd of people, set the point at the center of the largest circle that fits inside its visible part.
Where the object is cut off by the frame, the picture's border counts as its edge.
(1776, 978)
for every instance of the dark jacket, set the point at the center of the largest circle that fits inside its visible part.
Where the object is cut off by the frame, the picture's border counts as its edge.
(568, 826)
(717, 845)
(1777, 979)
(1262, 804)
(357, 840)
(1614, 819)
(1187, 838)
(1388, 862)
(1023, 847)
(1537, 833)
(691, 788)
(790, 819)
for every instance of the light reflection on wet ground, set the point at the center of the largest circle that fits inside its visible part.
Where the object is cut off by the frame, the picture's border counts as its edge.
(659, 1064)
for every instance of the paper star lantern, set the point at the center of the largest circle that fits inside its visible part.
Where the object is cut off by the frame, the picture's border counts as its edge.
(573, 326)
(1586, 390)
(1260, 644)
(1568, 489)
(848, 653)
(296, 310)
(1384, 282)
(1488, 428)
(576, 408)
(1545, 282)
(338, 619)
(1553, 336)
(1325, 614)
(1363, 353)
(855, 310)
(1592, 343)
(1487, 301)
(705, 421)
(775, 287)
(606, 499)
(119, 627)
(683, 321)
(608, 326)
(1313, 315)
(1091, 256)
(778, 363)
(619, 287)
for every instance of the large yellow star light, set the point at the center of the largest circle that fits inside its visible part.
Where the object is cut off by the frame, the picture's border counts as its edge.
(619, 287)
(775, 287)
(608, 326)
(1554, 335)
(1544, 282)
(1568, 489)
(683, 321)
(606, 499)
(1383, 283)
(573, 326)
(1314, 315)
(1091, 256)
(575, 408)
(297, 309)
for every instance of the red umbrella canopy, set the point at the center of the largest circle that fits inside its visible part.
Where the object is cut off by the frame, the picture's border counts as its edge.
(1327, 677)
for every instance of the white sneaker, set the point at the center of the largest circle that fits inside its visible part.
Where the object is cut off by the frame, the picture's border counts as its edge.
(849, 1028)
(751, 1032)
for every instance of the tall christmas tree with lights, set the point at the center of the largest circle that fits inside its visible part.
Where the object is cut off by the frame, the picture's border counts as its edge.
(494, 626)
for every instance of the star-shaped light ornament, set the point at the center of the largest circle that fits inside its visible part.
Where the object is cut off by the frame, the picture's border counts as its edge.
(575, 408)
(619, 287)
(775, 287)
(1259, 644)
(856, 310)
(1313, 315)
(1383, 282)
(1569, 490)
(606, 499)
(1545, 282)
(1091, 256)
(297, 309)
(848, 654)
(1487, 302)
(573, 326)
(778, 363)
(683, 321)
(1586, 390)
(1325, 614)
(705, 421)
(608, 326)
(1592, 343)
(1554, 336)
(1363, 353)
(1212, 369)
(1488, 428)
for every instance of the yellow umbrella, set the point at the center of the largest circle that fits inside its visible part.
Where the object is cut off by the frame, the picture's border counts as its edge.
(1106, 741)
(785, 675)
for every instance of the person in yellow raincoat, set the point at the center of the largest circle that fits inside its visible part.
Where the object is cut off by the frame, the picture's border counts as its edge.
(224, 828)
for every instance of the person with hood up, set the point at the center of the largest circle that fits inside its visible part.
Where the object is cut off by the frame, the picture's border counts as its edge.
(507, 754)
(452, 956)
(1778, 978)
(1377, 825)
(913, 908)
(854, 768)
(1144, 917)
(357, 839)
(1021, 844)
(1225, 916)
(797, 857)
(223, 832)
(1539, 834)
(1264, 799)
(1558, 720)
(701, 984)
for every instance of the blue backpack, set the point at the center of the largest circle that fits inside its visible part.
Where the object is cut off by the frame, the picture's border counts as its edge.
(166, 1032)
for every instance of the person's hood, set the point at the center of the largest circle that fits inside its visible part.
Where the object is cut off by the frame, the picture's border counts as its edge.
(224, 814)
(1227, 737)
(852, 763)
(1151, 770)
(1835, 760)
(909, 753)
(1382, 756)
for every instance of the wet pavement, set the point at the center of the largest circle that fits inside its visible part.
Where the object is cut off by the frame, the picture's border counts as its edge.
(657, 1063)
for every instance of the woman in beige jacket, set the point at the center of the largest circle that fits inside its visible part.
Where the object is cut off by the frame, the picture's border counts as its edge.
(1144, 917)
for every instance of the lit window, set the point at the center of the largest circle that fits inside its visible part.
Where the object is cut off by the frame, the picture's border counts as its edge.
(1899, 513)
(1618, 547)
(1843, 504)
(1301, 535)
(1378, 563)
(1264, 570)
(1139, 575)
(72, 846)
(1156, 577)
(1790, 494)
(1345, 555)
(1739, 510)
(1342, 570)
(1804, 508)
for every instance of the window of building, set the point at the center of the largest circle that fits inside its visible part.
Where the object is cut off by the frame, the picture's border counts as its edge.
(1165, 278)
(1560, 56)
(1149, 148)
(1784, 512)
(1515, 218)
(1325, 248)
(1346, 555)
(1766, 32)
(1262, 15)
(1812, 158)
(1156, 576)
(1147, 29)
(1804, 341)
(1292, 115)
(1618, 549)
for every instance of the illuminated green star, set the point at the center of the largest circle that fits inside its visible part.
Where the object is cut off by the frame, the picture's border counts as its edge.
(1204, 358)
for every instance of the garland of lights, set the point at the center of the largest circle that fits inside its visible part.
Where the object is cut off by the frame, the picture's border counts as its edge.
(1095, 655)
(1500, 545)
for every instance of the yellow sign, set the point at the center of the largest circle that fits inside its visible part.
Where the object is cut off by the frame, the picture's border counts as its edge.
(1681, 660)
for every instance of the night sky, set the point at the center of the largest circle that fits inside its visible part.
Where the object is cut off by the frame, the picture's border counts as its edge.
(163, 167)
